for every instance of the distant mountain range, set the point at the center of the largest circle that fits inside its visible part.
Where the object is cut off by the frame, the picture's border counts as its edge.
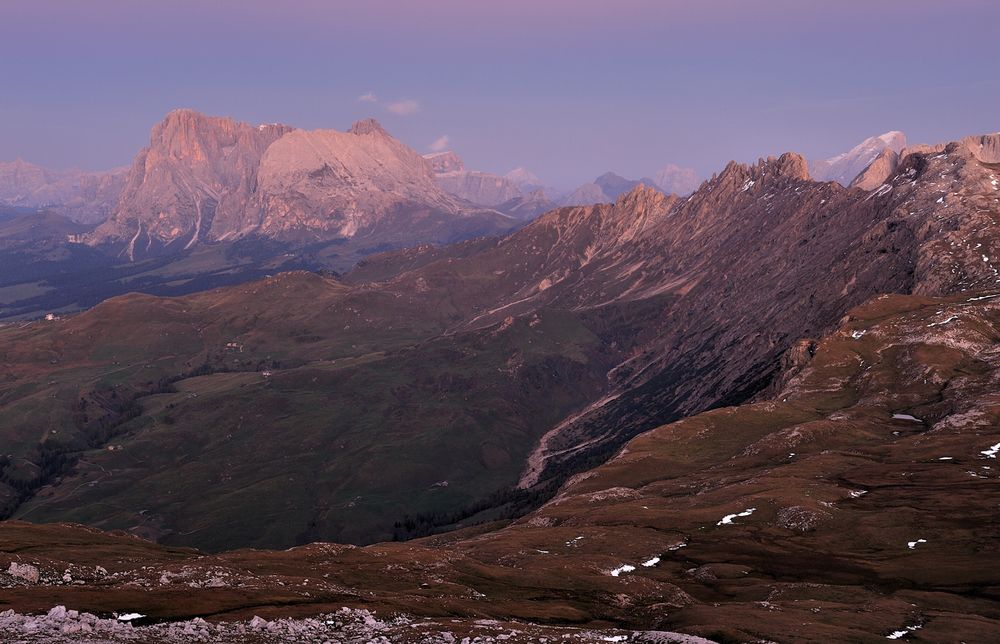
(212, 201)
(213, 179)
(202, 175)
(509, 193)
(86, 197)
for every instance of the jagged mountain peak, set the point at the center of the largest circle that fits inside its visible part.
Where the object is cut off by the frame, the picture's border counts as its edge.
(193, 137)
(789, 165)
(985, 147)
(179, 119)
(641, 197)
(368, 126)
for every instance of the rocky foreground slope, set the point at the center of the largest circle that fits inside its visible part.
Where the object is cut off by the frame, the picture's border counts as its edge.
(858, 503)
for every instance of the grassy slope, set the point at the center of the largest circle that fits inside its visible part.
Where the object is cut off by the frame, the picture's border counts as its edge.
(372, 417)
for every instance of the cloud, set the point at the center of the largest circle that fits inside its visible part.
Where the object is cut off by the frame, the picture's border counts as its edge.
(368, 98)
(440, 144)
(402, 108)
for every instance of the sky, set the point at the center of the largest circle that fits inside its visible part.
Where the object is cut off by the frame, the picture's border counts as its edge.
(567, 88)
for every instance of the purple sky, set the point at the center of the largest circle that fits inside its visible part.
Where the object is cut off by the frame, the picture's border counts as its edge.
(568, 88)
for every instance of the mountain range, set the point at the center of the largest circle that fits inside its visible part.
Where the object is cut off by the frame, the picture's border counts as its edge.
(522, 194)
(655, 409)
(589, 325)
(766, 407)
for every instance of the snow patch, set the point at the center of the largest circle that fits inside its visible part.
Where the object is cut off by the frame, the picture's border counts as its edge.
(128, 617)
(728, 519)
(650, 562)
(992, 451)
(943, 322)
(906, 417)
(881, 190)
(620, 569)
(899, 634)
(912, 545)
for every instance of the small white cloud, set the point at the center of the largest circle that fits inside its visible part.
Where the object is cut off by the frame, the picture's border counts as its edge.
(403, 108)
(368, 98)
(440, 144)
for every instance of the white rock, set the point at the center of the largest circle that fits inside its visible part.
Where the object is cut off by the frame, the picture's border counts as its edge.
(27, 572)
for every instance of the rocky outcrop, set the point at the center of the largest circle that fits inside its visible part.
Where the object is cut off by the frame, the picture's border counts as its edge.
(875, 174)
(25, 572)
(985, 148)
